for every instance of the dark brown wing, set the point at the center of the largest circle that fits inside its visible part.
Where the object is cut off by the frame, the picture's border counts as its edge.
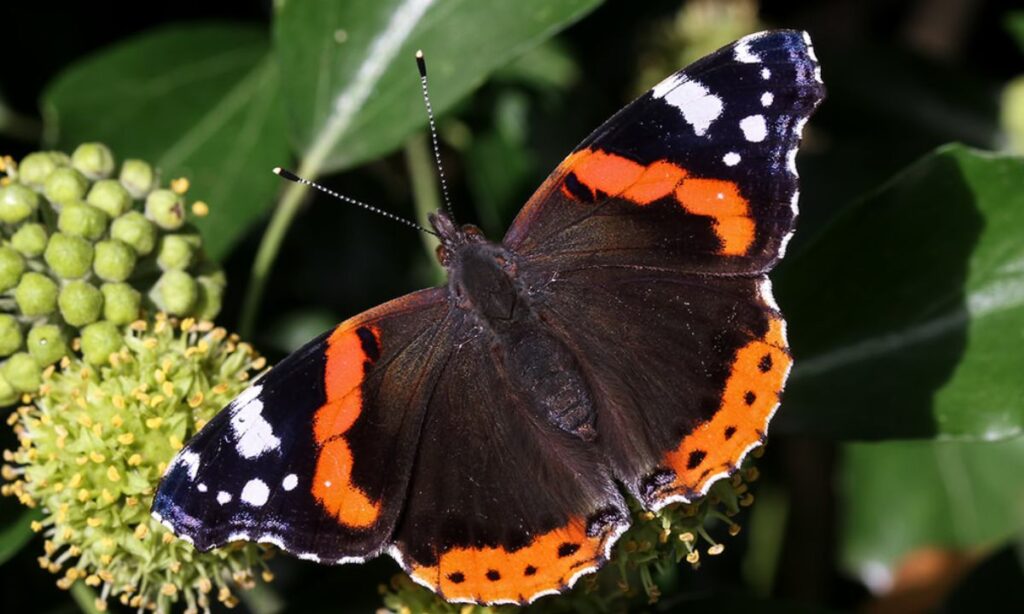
(316, 456)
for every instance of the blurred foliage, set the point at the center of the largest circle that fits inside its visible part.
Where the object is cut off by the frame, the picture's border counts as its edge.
(934, 329)
(902, 288)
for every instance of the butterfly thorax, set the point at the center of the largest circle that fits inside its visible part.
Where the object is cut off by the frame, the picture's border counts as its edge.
(484, 284)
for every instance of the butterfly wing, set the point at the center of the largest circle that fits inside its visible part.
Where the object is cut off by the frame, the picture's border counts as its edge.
(648, 247)
(503, 507)
(698, 175)
(686, 371)
(316, 455)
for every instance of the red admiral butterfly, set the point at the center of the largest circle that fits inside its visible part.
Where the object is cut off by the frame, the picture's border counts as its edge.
(622, 338)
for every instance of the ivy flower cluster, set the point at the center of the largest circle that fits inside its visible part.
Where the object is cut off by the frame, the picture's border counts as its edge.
(94, 445)
(86, 247)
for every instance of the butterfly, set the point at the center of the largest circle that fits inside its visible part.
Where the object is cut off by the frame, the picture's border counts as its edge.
(621, 341)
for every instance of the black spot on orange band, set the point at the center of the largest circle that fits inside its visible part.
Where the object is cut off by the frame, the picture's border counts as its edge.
(750, 397)
(567, 549)
(696, 458)
(493, 575)
(457, 577)
(369, 343)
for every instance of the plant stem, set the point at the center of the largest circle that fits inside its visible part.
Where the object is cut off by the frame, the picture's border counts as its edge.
(426, 197)
(270, 245)
(85, 597)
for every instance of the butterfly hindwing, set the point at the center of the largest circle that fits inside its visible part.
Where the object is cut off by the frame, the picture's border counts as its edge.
(687, 374)
(504, 506)
(697, 175)
(316, 455)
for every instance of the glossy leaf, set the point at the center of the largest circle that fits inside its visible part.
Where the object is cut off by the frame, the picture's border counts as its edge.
(907, 312)
(352, 88)
(901, 496)
(200, 101)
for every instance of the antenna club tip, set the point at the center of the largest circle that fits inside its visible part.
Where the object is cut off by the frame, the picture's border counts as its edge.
(287, 174)
(421, 63)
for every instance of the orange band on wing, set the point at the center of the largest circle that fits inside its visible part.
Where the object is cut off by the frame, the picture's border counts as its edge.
(349, 350)
(718, 199)
(488, 575)
(751, 394)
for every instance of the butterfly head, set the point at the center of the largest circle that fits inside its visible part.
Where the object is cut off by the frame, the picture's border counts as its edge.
(481, 274)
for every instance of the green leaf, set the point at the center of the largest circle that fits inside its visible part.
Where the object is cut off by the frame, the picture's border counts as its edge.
(199, 101)
(900, 496)
(907, 312)
(352, 89)
(17, 534)
(1015, 24)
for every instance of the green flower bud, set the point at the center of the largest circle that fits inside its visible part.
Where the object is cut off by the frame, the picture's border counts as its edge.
(109, 196)
(10, 334)
(94, 160)
(8, 395)
(114, 260)
(175, 252)
(12, 265)
(36, 294)
(121, 303)
(166, 209)
(68, 256)
(35, 168)
(23, 372)
(134, 229)
(211, 295)
(81, 220)
(65, 185)
(47, 343)
(137, 177)
(30, 240)
(175, 292)
(17, 202)
(80, 303)
(99, 341)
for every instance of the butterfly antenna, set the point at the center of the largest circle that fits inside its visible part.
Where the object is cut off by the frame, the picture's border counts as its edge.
(290, 176)
(421, 63)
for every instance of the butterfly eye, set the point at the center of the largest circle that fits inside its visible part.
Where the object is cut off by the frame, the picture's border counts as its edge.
(443, 255)
(473, 233)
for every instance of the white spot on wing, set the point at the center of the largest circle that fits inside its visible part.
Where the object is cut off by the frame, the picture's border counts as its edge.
(743, 52)
(290, 481)
(766, 74)
(731, 159)
(190, 460)
(767, 99)
(202, 487)
(223, 497)
(255, 492)
(698, 106)
(254, 435)
(754, 128)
